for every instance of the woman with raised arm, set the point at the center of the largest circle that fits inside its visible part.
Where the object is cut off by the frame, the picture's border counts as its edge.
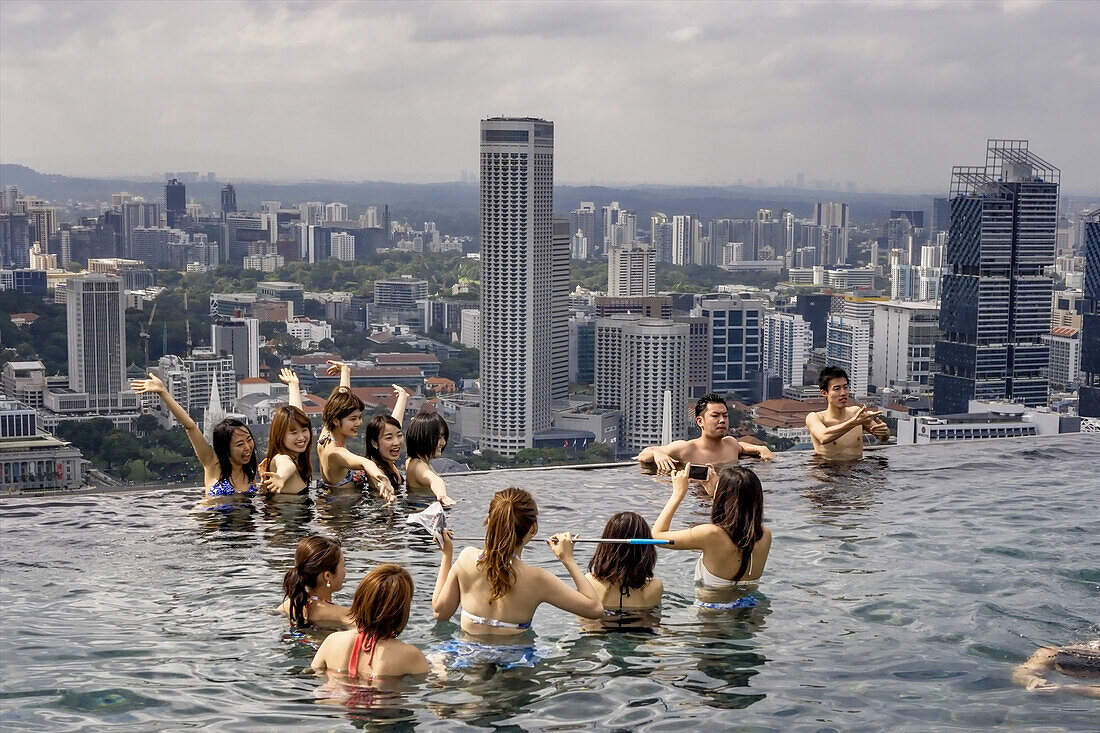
(498, 591)
(341, 419)
(318, 572)
(384, 440)
(426, 439)
(735, 543)
(287, 469)
(229, 466)
(379, 612)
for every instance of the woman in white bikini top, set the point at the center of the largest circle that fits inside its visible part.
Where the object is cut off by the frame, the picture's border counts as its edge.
(735, 543)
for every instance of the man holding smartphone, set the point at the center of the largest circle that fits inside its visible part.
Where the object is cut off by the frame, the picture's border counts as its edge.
(837, 431)
(713, 447)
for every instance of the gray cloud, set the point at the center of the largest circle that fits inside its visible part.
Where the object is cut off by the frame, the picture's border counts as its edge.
(888, 95)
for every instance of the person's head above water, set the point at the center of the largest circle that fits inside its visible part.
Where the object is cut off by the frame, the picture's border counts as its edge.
(833, 383)
(318, 562)
(712, 415)
(382, 601)
(1079, 660)
(384, 440)
(427, 436)
(234, 446)
(512, 521)
(343, 412)
(291, 435)
(628, 566)
(739, 510)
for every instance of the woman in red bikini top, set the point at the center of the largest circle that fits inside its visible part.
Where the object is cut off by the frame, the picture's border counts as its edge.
(380, 611)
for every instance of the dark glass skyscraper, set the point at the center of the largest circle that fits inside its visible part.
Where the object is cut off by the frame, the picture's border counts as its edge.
(175, 202)
(229, 200)
(1090, 327)
(995, 305)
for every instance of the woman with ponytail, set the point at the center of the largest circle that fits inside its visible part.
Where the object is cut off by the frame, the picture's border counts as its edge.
(318, 572)
(736, 543)
(498, 591)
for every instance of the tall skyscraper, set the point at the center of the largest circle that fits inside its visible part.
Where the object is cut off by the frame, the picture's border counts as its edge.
(848, 346)
(229, 200)
(683, 239)
(175, 201)
(631, 270)
(736, 342)
(1090, 319)
(787, 345)
(336, 211)
(833, 217)
(585, 219)
(904, 347)
(559, 313)
(238, 338)
(97, 339)
(517, 281)
(995, 304)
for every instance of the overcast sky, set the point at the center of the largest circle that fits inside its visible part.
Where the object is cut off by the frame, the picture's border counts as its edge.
(889, 95)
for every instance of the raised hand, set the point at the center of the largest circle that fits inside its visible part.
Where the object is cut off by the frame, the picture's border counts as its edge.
(400, 391)
(336, 367)
(152, 384)
(289, 376)
(880, 430)
(680, 479)
(562, 546)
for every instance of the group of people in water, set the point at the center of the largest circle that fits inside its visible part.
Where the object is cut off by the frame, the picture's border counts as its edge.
(494, 590)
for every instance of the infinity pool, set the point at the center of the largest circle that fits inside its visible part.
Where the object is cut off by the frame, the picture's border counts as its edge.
(899, 593)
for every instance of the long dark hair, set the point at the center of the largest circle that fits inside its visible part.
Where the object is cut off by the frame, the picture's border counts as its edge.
(373, 433)
(628, 566)
(222, 437)
(512, 514)
(382, 601)
(422, 437)
(281, 420)
(739, 510)
(315, 555)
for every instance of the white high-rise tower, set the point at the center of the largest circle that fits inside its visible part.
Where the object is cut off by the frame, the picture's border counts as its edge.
(97, 340)
(517, 281)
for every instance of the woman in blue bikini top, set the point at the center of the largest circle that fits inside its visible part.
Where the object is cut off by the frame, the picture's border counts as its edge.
(229, 466)
(498, 591)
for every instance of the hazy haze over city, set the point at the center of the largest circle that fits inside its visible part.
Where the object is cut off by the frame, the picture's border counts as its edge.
(888, 95)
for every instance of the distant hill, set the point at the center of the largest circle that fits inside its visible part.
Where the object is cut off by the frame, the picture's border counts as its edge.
(454, 206)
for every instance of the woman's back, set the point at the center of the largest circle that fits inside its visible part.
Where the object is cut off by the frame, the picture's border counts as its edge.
(373, 658)
(615, 599)
(721, 558)
(517, 606)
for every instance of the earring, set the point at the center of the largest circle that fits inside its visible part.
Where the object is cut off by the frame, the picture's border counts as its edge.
(328, 584)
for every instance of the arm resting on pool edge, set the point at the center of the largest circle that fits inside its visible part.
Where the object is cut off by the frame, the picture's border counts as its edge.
(665, 456)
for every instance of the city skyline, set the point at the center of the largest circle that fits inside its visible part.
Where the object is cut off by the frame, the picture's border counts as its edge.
(880, 95)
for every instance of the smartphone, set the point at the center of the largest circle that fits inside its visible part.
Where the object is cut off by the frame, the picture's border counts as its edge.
(698, 473)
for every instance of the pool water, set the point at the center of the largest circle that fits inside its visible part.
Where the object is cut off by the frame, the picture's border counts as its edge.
(899, 593)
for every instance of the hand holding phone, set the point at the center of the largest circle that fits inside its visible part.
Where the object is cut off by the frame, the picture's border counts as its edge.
(699, 472)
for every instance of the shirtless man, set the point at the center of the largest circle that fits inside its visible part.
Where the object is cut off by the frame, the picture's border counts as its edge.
(713, 447)
(837, 431)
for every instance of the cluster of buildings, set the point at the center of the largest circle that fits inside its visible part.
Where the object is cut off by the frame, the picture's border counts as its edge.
(970, 321)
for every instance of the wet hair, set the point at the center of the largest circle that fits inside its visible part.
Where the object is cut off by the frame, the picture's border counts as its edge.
(341, 403)
(375, 426)
(828, 374)
(315, 555)
(512, 514)
(282, 419)
(1079, 660)
(628, 566)
(739, 510)
(425, 430)
(710, 398)
(382, 601)
(222, 437)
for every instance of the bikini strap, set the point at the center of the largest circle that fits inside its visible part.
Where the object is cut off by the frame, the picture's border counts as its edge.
(356, 649)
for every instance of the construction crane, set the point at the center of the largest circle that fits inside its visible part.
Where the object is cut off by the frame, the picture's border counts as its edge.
(144, 333)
